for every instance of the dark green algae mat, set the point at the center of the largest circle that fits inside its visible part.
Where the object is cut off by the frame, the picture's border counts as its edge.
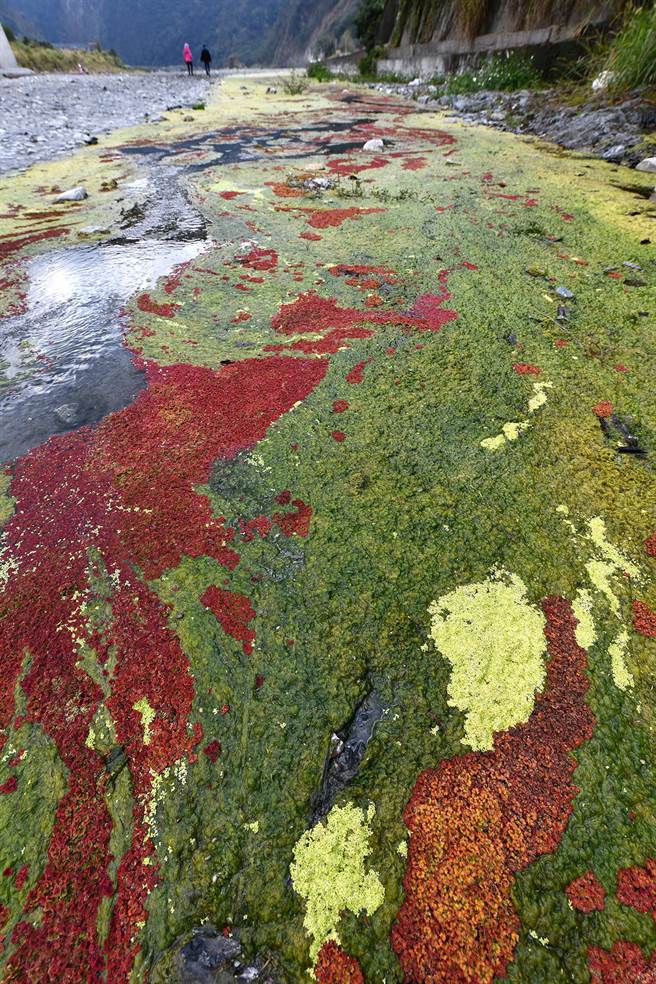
(337, 644)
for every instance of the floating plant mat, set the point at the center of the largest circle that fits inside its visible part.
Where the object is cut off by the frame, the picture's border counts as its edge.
(332, 652)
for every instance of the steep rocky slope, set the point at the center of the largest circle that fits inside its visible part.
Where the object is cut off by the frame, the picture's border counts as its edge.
(151, 32)
(301, 31)
(421, 21)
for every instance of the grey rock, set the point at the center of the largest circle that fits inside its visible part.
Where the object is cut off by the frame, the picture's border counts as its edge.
(245, 248)
(564, 292)
(85, 231)
(648, 164)
(319, 184)
(73, 195)
(374, 146)
(615, 153)
(67, 414)
(209, 957)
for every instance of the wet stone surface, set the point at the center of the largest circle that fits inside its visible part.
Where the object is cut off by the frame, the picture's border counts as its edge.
(213, 958)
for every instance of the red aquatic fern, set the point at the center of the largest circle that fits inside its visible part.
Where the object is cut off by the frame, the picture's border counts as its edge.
(233, 611)
(644, 619)
(334, 966)
(625, 963)
(636, 887)
(586, 893)
(478, 819)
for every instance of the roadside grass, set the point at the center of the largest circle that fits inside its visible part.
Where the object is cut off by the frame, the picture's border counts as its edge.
(632, 56)
(319, 72)
(504, 72)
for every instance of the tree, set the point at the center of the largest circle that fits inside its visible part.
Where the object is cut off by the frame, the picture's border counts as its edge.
(367, 21)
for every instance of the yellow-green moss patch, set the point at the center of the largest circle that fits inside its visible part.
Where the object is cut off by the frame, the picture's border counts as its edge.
(494, 640)
(328, 872)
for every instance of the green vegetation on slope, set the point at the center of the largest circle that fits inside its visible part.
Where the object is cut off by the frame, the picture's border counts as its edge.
(43, 57)
(632, 58)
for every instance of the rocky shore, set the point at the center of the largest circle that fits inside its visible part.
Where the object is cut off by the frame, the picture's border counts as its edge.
(615, 130)
(47, 116)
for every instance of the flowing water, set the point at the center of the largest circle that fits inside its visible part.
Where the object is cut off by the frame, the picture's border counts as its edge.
(62, 363)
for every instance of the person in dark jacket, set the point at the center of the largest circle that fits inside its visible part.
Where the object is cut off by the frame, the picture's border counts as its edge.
(206, 59)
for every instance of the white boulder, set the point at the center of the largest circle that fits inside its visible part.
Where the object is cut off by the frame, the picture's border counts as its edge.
(602, 81)
(374, 146)
(649, 164)
(73, 195)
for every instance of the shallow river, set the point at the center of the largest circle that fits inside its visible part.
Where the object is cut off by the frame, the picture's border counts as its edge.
(63, 360)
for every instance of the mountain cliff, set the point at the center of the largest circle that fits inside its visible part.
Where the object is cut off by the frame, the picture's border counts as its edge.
(152, 32)
(302, 32)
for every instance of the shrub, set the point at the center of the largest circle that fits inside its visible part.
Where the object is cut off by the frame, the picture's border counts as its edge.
(319, 72)
(368, 66)
(295, 84)
(367, 21)
(10, 34)
(507, 72)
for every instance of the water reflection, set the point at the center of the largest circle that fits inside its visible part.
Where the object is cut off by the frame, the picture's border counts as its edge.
(62, 363)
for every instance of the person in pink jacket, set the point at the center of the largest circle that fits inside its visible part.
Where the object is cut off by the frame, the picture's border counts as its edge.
(189, 58)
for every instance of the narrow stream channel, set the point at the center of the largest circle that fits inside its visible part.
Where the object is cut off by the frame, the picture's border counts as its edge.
(62, 363)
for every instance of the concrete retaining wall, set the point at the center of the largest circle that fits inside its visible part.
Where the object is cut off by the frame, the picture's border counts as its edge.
(439, 57)
(547, 45)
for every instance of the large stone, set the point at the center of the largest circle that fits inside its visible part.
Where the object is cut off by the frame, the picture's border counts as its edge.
(73, 195)
(374, 146)
(67, 414)
(649, 164)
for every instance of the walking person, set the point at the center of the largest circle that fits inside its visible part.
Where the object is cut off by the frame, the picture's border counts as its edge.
(206, 59)
(189, 58)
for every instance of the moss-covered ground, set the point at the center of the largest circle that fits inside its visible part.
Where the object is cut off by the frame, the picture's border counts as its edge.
(398, 438)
